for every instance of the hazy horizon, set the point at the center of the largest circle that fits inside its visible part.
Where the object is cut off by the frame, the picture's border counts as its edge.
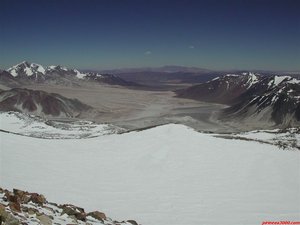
(151, 67)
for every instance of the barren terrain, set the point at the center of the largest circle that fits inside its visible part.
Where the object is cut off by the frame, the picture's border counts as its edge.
(138, 109)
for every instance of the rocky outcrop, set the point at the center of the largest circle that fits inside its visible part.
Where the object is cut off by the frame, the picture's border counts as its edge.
(21, 207)
(97, 215)
(72, 210)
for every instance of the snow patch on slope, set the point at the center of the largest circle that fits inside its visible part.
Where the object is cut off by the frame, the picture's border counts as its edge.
(294, 81)
(279, 79)
(51, 67)
(40, 69)
(286, 139)
(13, 72)
(253, 79)
(79, 75)
(34, 126)
(28, 71)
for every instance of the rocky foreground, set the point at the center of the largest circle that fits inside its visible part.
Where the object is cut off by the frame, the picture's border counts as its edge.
(21, 207)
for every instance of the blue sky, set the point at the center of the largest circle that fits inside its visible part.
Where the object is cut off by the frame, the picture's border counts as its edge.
(103, 34)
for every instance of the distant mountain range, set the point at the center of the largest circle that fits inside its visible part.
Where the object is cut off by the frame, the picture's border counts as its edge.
(162, 76)
(26, 72)
(187, 69)
(162, 69)
(252, 97)
(178, 75)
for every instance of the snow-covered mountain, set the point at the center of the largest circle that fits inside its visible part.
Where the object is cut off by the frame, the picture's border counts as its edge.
(26, 69)
(252, 97)
(274, 99)
(25, 72)
(41, 103)
(224, 89)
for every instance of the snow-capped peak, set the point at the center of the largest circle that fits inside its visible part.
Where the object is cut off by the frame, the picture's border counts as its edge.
(247, 79)
(33, 69)
(15, 69)
(279, 79)
(252, 79)
(26, 68)
(79, 74)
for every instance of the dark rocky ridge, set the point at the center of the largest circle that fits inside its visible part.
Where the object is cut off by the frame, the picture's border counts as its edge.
(252, 98)
(224, 90)
(7, 79)
(109, 79)
(280, 104)
(41, 103)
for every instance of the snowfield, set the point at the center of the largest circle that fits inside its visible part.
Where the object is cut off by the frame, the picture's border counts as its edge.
(288, 139)
(167, 175)
(33, 126)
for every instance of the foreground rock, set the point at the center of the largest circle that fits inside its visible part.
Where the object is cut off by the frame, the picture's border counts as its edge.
(21, 207)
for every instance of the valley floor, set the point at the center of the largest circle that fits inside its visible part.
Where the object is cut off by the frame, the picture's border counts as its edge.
(138, 109)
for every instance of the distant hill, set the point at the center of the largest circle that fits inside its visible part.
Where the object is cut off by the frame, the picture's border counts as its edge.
(41, 103)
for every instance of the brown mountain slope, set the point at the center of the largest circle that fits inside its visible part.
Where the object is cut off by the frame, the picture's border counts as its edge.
(41, 103)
